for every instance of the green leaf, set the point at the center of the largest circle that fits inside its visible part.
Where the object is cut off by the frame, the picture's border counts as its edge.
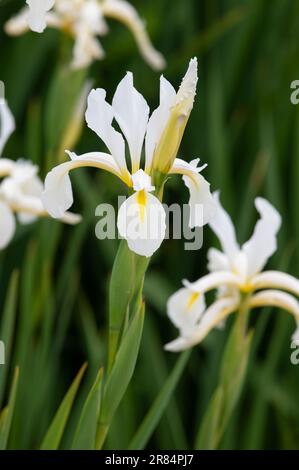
(54, 434)
(7, 327)
(154, 415)
(121, 374)
(6, 418)
(87, 427)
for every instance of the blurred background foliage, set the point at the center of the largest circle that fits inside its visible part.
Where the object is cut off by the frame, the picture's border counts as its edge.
(54, 279)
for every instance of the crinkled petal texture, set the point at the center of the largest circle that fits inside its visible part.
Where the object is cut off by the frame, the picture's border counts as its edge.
(142, 222)
(7, 123)
(263, 242)
(37, 14)
(185, 308)
(57, 196)
(7, 225)
(201, 202)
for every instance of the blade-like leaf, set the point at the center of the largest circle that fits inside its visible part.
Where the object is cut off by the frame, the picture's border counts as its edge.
(87, 427)
(54, 434)
(6, 419)
(153, 417)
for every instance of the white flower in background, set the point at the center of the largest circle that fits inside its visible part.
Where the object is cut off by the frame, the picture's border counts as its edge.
(141, 218)
(235, 272)
(84, 20)
(20, 187)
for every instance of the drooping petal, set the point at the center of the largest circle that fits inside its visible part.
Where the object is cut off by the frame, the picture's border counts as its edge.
(125, 13)
(263, 242)
(37, 14)
(184, 309)
(212, 317)
(7, 225)
(142, 222)
(99, 116)
(201, 202)
(224, 229)
(86, 49)
(18, 24)
(213, 281)
(169, 142)
(276, 298)
(275, 280)
(7, 123)
(158, 120)
(131, 111)
(57, 196)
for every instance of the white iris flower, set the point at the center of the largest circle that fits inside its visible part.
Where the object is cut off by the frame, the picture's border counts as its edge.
(20, 187)
(141, 218)
(84, 20)
(235, 271)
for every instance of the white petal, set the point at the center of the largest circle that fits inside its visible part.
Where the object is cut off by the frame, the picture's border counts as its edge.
(142, 222)
(263, 242)
(217, 261)
(6, 166)
(7, 225)
(99, 116)
(37, 14)
(141, 180)
(276, 298)
(223, 228)
(124, 12)
(58, 195)
(184, 309)
(158, 120)
(213, 281)
(86, 49)
(276, 280)
(212, 317)
(18, 24)
(201, 202)
(131, 112)
(295, 335)
(7, 123)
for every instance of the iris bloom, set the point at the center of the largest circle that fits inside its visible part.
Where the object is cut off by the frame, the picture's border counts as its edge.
(235, 272)
(141, 218)
(20, 187)
(84, 20)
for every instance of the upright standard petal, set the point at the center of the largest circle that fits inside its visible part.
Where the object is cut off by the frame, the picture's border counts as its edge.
(201, 202)
(222, 226)
(37, 14)
(99, 116)
(167, 148)
(263, 242)
(184, 309)
(125, 13)
(7, 225)
(131, 111)
(142, 222)
(7, 123)
(158, 121)
(57, 196)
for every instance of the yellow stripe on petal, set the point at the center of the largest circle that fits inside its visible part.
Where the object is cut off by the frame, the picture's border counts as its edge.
(192, 299)
(141, 199)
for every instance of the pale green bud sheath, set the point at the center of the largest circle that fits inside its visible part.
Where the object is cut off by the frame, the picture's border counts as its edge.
(168, 145)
